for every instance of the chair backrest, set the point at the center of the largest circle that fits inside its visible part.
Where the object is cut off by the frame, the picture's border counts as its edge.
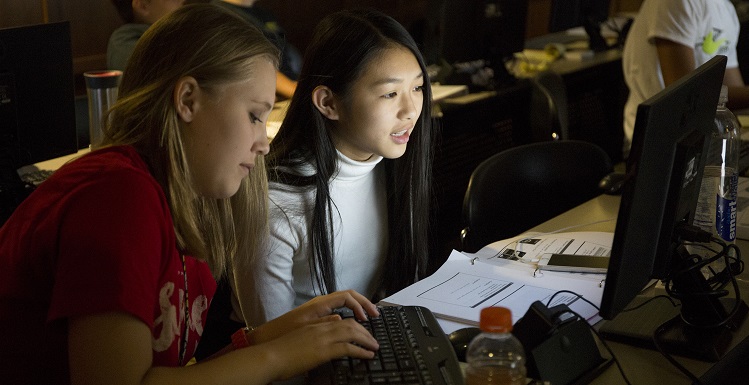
(524, 186)
(549, 111)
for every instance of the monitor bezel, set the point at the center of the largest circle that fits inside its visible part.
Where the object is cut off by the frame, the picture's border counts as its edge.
(655, 197)
(36, 68)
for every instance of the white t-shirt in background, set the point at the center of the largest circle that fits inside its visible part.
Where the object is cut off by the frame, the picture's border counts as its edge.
(710, 27)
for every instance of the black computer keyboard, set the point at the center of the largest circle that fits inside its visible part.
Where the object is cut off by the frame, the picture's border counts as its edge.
(15, 188)
(413, 350)
(36, 177)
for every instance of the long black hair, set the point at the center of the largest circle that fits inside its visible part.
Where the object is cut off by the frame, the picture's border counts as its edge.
(344, 43)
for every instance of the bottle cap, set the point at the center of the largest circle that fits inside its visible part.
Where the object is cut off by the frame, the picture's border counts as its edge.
(496, 319)
(102, 79)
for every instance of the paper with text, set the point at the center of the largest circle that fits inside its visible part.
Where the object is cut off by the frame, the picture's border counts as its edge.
(528, 248)
(497, 276)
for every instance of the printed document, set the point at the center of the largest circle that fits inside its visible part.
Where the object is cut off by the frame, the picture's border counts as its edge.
(504, 274)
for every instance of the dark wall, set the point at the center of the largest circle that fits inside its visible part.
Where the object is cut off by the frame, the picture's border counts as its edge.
(299, 18)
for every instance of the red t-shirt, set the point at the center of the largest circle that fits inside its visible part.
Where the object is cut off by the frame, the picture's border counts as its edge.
(95, 237)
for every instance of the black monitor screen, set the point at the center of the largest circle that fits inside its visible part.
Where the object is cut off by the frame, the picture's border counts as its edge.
(588, 14)
(37, 113)
(566, 14)
(481, 29)
(671, 138)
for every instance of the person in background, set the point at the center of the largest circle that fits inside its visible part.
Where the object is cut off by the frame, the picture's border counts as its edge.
(349, 171)
(670, 38)
(291, 59)
(108, 268)
(138, 16)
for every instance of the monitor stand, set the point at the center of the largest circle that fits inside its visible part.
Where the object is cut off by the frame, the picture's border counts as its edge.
(637, 328)
(687, 330)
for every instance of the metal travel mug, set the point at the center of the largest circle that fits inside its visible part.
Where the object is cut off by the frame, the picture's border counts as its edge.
(101, 88)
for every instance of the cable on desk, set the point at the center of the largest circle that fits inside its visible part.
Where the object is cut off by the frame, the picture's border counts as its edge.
(674, 304)
(548, 303)
(716, 288)
(716, 284)
(659, 330)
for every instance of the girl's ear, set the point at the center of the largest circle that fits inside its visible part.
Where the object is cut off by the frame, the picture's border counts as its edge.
(186, 98)
(325, 102)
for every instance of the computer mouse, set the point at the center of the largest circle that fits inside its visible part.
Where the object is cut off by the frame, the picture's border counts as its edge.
(460, 339)
(613, 183)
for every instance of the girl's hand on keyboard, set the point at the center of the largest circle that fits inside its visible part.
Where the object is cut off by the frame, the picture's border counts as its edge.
(319, 342)
(316, 310)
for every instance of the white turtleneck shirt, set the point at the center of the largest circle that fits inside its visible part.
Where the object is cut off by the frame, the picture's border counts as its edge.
(280, 279)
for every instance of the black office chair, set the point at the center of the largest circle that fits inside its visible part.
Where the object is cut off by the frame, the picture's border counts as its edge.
(549, 117)
(524, 186)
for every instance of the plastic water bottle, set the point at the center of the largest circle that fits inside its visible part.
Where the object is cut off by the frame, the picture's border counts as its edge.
(495, 356)
(717, 205)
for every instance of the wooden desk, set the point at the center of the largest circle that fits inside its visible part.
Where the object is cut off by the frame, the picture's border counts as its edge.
(645, 366)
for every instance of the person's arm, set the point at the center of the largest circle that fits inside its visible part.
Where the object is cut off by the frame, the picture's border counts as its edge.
(738, 92)
(676, 60)
(115, 348)
(121, 45)
(285, 86)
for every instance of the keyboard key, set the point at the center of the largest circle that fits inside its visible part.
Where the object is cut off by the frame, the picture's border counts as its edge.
(399, 360)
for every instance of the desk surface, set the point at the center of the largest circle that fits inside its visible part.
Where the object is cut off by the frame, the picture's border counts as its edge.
(645, 366)
(574, 42)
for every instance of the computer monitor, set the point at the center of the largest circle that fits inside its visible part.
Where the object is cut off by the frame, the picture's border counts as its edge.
(664, 171)
(589, 14)
(37, 113)
(471, 30)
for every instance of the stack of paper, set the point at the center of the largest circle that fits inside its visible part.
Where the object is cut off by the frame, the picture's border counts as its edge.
(505, 274)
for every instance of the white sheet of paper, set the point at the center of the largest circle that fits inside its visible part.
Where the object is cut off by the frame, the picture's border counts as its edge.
(465, 284)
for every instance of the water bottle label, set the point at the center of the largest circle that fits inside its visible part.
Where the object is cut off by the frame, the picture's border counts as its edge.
(726, 211)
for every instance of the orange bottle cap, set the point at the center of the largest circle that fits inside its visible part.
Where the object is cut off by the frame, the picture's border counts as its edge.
(496, 319)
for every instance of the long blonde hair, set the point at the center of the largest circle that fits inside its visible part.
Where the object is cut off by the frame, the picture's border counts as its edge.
(216, 48)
